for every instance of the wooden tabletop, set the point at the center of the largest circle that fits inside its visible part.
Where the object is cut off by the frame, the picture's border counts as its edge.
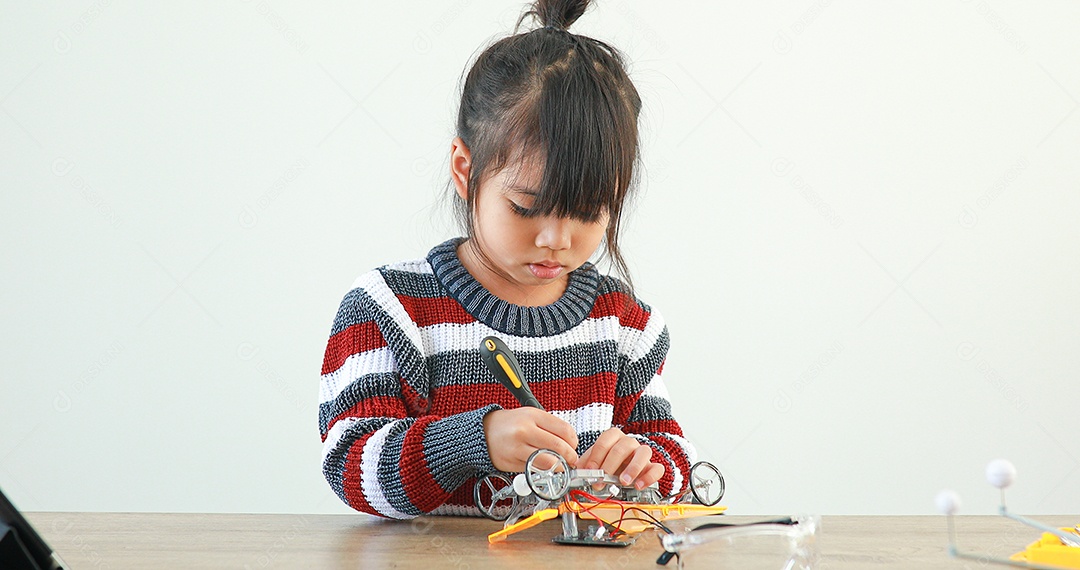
(185, 540)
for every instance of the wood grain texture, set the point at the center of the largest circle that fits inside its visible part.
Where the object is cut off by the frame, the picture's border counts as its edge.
(256, 541)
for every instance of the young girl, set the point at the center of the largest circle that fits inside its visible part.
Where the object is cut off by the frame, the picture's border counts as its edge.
(543, 162)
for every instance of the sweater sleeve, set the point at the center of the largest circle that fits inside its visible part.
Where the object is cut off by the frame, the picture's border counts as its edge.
(382, 454)
(643, 406)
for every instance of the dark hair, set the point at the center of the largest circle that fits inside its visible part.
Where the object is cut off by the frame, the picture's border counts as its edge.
(564, 100)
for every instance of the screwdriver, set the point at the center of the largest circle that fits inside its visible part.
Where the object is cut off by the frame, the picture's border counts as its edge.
(502, 363)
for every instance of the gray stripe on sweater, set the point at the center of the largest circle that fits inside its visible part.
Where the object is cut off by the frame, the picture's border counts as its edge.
(422, 285)
(349, 312)
(465, 367)
(455, 448)
(637, 375)
(411, 363)
(366, 386)
(650, 408)
(389, 473)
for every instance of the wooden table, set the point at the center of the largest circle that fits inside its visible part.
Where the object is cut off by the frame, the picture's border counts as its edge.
(254, 541)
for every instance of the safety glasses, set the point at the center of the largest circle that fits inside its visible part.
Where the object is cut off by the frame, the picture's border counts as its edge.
(780, 544)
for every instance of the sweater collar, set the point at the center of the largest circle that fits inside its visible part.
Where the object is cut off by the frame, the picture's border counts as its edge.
(569, 310)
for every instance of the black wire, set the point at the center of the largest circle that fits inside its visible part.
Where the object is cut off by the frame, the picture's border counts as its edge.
(655, 521)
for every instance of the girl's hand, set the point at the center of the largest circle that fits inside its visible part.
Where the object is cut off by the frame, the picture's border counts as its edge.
(624, 457)
(513, 435)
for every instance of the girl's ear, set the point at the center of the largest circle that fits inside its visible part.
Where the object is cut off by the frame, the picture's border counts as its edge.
(460, 164)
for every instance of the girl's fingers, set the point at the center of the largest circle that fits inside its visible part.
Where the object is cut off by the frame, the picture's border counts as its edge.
(543, 439)
(623, 456)
(639, 460)
(650, 475)
(618, 455)
(560, 429)
(513, 435)
(597, 454)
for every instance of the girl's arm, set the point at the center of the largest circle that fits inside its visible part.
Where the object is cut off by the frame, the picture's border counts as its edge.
(652, 423)
(642, 404)
(381, 454)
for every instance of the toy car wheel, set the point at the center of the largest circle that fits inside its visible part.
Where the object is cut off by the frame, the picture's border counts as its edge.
(550, 483)
(706, 483)
(495, 497)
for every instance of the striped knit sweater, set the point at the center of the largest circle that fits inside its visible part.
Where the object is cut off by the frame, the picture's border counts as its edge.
(404, 391)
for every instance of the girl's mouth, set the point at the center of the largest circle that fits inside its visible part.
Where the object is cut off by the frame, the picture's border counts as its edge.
(545, 270)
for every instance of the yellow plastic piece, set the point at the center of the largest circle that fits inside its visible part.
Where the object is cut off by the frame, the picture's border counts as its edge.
(536, 518)
(509, 370)
(1049, 550)
(610, 513)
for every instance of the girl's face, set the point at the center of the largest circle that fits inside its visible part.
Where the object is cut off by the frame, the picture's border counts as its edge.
(528, 259)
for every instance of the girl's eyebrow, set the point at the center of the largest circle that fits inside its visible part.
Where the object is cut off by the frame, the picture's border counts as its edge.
(523, 190)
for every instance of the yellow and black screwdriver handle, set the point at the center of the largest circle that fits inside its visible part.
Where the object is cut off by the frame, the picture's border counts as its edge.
(501, 362)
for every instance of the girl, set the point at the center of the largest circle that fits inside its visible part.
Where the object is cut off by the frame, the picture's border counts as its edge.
(543, 163)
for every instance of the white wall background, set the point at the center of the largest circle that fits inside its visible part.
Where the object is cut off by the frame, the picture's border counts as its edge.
(859, 219)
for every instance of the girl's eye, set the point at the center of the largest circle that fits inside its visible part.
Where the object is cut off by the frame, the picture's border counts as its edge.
(518, 209)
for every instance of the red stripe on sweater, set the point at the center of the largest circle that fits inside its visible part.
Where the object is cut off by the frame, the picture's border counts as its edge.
(426, 311)
(623, 406)
(350, 478)
(636, 317)
(420, 486)
(562, 394)
(354, 339)
(463, 495)
(653, 426)
(415, 404)
(373, 407)
(576, 391)
(630, 313)
(682, 463)
(667, 481)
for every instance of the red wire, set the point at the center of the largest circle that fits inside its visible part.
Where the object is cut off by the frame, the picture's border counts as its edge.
(575, 493)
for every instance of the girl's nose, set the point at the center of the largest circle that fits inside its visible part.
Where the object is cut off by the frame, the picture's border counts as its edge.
(554, 233)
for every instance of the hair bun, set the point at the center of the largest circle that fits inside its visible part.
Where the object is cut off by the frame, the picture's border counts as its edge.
(558, 14)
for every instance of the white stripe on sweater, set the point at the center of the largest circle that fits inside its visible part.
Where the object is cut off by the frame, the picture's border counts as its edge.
(355, 366)
(457, 510)
(376, 288)
(590, 417)
(333, 437)
(420, 266)
(446, 337)
(639, 341)
(459, 337)
(656, 388)
(369, 474)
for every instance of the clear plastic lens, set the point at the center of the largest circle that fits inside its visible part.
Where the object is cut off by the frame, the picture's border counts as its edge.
(749, 547)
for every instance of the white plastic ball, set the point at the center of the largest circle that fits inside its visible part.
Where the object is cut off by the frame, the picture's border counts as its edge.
(948, 502)
(521, 485)
(1000, 473)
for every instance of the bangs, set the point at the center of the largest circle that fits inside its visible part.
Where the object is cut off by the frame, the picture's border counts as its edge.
(582, 138)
